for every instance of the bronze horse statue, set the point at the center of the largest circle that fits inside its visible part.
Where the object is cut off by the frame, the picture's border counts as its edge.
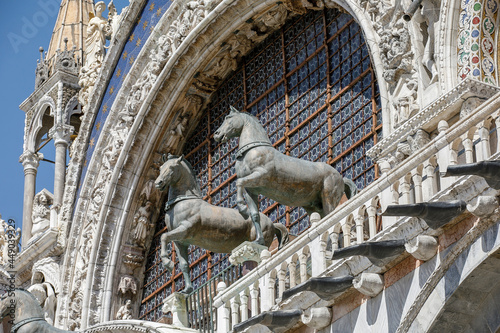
(26, 313)
(193, 221)
(261, 169)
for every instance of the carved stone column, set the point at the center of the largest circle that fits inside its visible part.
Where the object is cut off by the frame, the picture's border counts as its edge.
(359, 219)
(235, 311)
(244, 305)
(254, 300)
(30, 163)
(60, 133)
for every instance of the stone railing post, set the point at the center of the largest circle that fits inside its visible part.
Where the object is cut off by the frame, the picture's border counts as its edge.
(469, 152)
(303, 267)
(254, 300)
(176, 304)
(235, 311)
(417, 183)
(223, 312)
(484, 152)
(244, 305)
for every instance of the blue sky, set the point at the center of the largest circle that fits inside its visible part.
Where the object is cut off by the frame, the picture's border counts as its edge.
(25, 26)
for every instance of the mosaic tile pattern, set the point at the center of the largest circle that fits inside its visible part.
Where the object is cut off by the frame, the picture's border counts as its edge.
(476, 40)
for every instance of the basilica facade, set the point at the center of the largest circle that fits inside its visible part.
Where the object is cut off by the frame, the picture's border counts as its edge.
(400, 97)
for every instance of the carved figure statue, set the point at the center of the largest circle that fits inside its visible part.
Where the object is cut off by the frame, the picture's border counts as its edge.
(125, 311)
(192, 221)
(177, 133)
(142, 223)
(41, 214)
(98, 30)
(261, 169)
(45, 294)
(429, 15)
(28, 314)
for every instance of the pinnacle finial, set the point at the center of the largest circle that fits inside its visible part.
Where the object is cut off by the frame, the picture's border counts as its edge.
(41, 52)
(65, 43)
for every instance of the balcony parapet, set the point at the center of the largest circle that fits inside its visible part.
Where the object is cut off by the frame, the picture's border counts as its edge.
(268, 277)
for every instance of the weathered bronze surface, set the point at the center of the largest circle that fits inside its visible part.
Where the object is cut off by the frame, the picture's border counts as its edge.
(192, 221)
(28, 314)
(376, 252)
(435, 214)
(489, 170)
(276, 321)
(261, 169)
(324, 287)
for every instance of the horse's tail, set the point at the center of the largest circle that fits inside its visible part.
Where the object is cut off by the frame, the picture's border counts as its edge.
(282, 233)
(350, 188)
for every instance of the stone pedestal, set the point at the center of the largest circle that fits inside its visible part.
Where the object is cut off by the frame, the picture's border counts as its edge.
(176, 303)
(246, 251)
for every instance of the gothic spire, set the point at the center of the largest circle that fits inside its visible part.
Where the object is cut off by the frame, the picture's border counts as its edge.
(71, 23)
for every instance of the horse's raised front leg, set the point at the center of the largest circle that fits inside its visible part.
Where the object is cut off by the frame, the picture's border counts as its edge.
(182, 254)
(253, 205)
(178, 233)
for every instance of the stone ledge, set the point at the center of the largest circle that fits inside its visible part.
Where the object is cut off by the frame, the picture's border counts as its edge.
(125, 326)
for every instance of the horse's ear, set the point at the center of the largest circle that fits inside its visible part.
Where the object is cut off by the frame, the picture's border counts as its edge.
(163, 158)
(179, 159)
(233, 110)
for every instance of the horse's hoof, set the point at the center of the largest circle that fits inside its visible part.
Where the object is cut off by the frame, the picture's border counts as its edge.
(168, 264)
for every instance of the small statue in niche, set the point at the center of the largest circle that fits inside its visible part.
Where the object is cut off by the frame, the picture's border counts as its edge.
(41, 213)
(429, 19)
(177, 133)
(45, 293)
(142, 223)
(125, 311)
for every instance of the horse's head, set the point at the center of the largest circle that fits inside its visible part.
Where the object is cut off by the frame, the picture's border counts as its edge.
(231, 127)
(169, 172)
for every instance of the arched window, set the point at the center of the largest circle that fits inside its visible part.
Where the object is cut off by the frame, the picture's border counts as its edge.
(312, 85)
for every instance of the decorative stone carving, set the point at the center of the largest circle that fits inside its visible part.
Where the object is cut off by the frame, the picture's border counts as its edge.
(98, 30)
(176, 304)
(65, 60)
(41, 213)
(247, 251)
(395, 50)
(125, 311)
(406, 104)
(42, 70)
(45, 285)
(469, 105)
(127, 284)
(429, 17)
(8, 235)
(276, 17)
(177, 133)
(142, 225)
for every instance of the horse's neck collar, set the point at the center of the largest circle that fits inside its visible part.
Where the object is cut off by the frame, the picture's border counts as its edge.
(170, 203)
(17, 326)
(243, 149)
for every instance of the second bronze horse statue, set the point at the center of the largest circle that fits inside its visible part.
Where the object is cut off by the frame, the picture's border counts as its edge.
(192, 221)
(261, 169)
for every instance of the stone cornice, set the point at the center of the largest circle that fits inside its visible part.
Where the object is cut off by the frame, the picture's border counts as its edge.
(442, 108)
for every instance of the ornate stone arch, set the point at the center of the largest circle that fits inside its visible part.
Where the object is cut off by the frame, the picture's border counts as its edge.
(33, 128)
(108, 199)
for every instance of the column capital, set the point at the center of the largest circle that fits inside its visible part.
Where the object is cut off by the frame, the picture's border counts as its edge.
(61, 133)
(30, 160)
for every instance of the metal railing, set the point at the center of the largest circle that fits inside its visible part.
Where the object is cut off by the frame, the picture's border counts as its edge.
(201, 314)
